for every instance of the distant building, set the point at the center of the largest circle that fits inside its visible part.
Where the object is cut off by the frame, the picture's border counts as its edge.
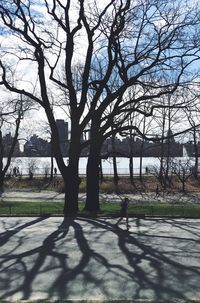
(171, 149)
(189, 149)
(37, 146)
(62, 129)
(7, 143)
(142, 148)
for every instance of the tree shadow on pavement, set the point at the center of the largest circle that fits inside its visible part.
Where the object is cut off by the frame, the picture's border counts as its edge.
(12, 230)
(155, 261)
(87, 258)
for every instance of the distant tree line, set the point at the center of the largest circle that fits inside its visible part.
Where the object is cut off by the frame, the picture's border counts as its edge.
(38, 147)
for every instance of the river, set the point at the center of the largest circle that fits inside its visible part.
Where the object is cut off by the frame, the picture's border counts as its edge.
(41, 164)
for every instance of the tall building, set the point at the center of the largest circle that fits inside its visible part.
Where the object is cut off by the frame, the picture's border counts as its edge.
(7, 143)
(62, 129)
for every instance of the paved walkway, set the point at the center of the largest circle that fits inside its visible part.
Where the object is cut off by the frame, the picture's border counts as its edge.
(27, 196)
(82, 259)
(52, 196)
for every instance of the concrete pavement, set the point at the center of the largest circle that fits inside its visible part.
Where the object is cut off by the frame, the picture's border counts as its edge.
(28, 196)
(52, 196)
(83, 259)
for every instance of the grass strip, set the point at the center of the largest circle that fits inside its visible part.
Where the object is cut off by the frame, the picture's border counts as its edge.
(107, 209)
(154, 209)
(31, 208)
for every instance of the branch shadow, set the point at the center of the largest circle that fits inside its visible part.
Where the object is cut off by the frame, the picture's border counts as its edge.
(166, 276)
(5, 236)
(76, 261)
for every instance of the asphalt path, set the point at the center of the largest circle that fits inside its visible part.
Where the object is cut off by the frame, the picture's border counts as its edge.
(85, 258)
(52, 196)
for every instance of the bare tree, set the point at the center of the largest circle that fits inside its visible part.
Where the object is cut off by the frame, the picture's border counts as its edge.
(169, 120)
(195, 133)
(183, 170)
(147, 77)
(193, 119)
(11, 114)
(145, 126)
(114, 159)
(126, 43)
(131, 138)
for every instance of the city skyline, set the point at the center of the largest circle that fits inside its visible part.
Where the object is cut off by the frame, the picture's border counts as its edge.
(37, 146)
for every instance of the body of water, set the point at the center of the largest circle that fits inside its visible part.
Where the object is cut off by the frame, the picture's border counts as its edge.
(40, 165)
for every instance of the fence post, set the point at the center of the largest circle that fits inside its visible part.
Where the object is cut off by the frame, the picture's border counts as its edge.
(10, 210)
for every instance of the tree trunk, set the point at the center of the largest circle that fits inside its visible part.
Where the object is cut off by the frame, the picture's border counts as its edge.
(141, 159)
(116, 177)
(101, 171)
(1, 165)
(131, 140)
(168, 157)
(2, 177)
(71, 180)
(51, 170)
(162, 168)
(92, 201)
(167, 178)
(183, 182)
(183, 186)
(131, 169)
(3, 169)
(196, 154)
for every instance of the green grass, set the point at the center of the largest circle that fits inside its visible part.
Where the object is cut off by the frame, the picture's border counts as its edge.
(155, 209)
(107, 209)
(31, 208)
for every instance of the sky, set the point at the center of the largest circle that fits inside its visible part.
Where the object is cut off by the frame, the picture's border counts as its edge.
(25, 69)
